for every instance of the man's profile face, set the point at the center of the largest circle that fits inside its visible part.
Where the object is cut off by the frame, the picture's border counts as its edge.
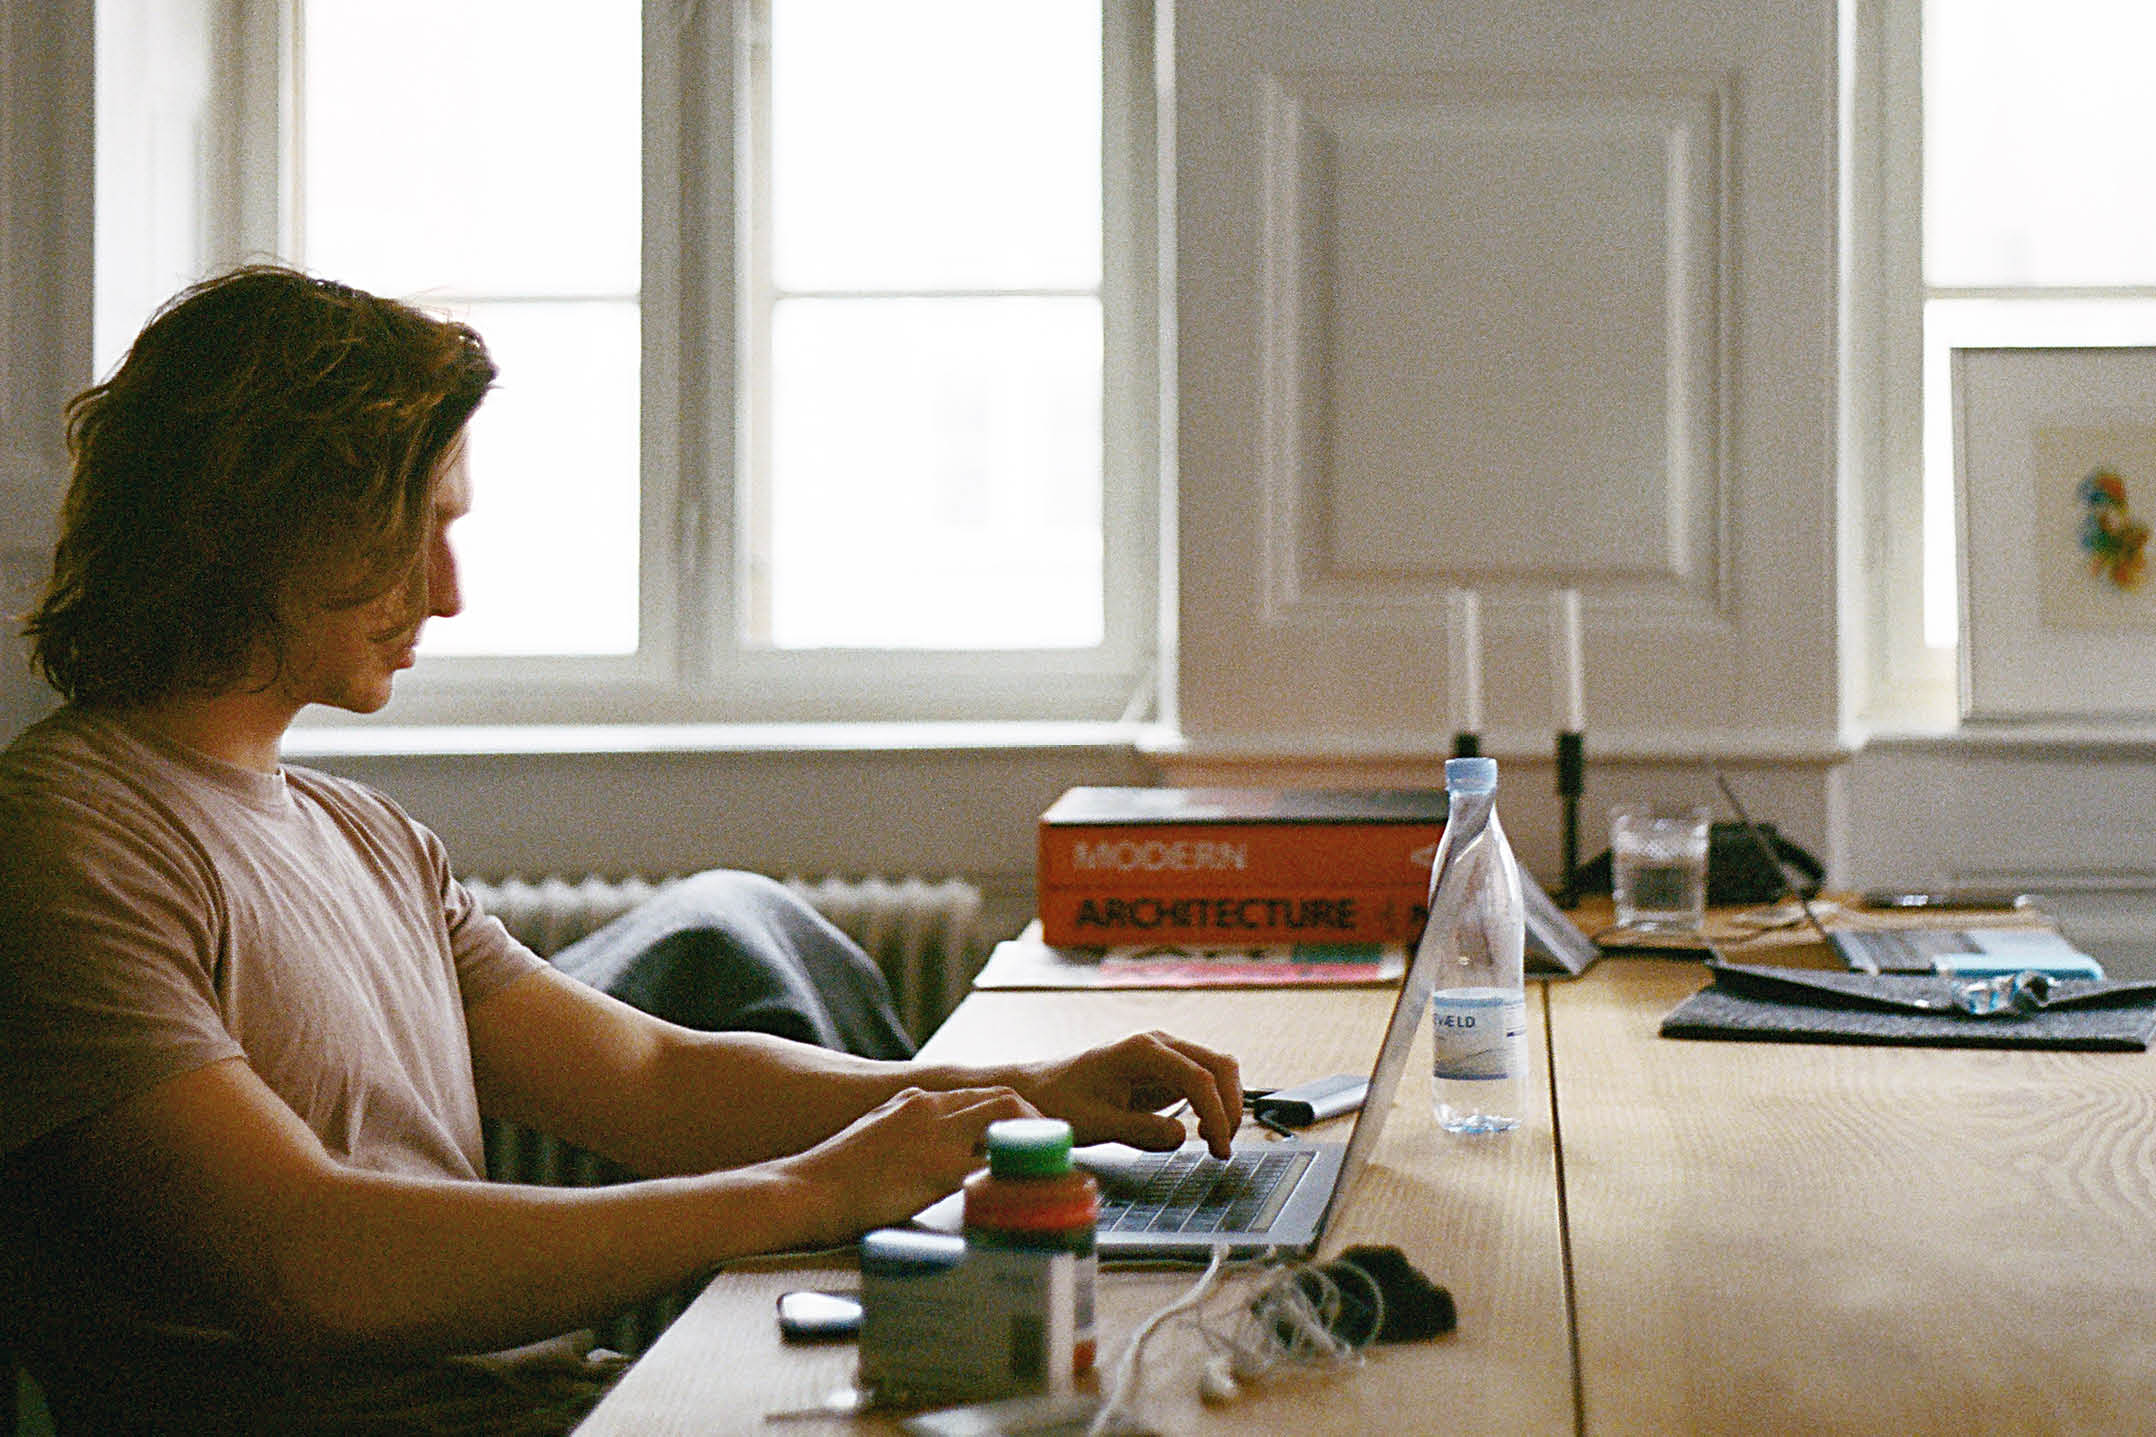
(348, 656)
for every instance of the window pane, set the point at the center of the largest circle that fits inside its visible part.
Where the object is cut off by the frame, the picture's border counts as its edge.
(935, 144)
(485, 146)
(504, 183)
(548, 555)
(2038, 129)
(936, 473)
(2040, 138)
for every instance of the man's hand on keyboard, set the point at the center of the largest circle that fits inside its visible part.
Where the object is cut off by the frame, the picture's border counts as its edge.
(892, 1161)
(1116, 1093)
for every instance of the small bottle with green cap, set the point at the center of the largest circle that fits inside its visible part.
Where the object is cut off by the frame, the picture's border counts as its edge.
(1031, 1198)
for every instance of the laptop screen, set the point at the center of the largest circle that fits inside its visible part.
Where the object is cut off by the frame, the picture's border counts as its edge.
(1391, 1061)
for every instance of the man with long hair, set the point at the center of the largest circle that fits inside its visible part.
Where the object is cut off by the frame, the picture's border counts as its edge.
(249, 1018)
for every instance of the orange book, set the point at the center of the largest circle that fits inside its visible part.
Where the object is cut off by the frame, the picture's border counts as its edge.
(1085, 918)
(1218, 841)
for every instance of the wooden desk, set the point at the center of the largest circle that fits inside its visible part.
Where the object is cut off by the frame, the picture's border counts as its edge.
(1480, 1217)
(1756, 1237)
(1810, 1238)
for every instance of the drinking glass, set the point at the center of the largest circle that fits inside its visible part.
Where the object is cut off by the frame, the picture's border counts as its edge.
(1658, 866)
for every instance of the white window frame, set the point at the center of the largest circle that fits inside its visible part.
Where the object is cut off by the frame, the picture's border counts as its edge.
(700, 64)
(1906, 684)
(1900, 682)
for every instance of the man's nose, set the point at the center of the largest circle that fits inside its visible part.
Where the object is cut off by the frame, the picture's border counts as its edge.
(445, 596)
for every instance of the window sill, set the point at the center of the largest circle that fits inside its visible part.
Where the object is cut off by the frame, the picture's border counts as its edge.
(2061, 740)
(506, 740)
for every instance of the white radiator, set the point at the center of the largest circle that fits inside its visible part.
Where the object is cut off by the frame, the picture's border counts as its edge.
(924, 934)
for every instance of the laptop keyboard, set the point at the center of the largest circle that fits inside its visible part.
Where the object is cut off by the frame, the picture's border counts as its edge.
(1910, 950)
(1188, 1191)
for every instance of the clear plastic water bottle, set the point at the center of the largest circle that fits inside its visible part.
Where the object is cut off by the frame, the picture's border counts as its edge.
(1471, 955)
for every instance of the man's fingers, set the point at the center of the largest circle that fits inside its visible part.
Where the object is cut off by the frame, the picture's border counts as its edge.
(1150, 1131)
(984, 1106)
(913, 1148)
(938, 1135)
(967, 1112)
(1191, 1069)
(1227, 1075)
(1153, 1096)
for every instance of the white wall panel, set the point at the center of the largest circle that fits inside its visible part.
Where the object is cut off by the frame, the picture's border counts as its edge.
(1513, 295)
(1438, 327)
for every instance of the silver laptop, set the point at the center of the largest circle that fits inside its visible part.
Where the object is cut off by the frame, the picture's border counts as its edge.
(1963, 952)
(1269, 1194)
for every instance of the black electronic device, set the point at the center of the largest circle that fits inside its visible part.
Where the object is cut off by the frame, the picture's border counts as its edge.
(1949, 900)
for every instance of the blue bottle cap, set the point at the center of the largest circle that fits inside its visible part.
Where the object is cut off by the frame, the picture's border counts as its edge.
(1471, 775)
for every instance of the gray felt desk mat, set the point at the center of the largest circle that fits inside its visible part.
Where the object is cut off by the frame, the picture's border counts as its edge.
(1808, 1006)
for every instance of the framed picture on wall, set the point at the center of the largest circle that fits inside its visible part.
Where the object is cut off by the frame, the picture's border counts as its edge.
(2055, 472)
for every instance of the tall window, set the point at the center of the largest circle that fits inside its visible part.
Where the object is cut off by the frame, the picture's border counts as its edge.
(482, 157)
(926, 324)
(824, 328)
(2035, 131)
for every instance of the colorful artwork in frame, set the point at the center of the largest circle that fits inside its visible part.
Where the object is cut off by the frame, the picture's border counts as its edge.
(2055, 459)
(2096, 492)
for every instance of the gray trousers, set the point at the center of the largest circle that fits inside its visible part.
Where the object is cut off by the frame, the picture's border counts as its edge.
(732, 951)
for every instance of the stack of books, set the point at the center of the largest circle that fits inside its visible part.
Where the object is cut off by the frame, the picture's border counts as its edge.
(1182, 887)
(1219, 867)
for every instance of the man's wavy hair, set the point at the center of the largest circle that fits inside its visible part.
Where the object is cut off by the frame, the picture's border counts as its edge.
(269, 433)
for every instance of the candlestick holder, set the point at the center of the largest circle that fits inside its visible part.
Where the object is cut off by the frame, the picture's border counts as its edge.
(1467, 745)
(1571, 781)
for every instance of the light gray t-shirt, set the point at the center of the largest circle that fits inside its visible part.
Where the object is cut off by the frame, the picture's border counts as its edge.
(161, 911)
(164, 911)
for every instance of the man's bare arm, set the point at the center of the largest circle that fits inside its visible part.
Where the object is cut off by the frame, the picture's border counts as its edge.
(562, 1057)
(211, 1176)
